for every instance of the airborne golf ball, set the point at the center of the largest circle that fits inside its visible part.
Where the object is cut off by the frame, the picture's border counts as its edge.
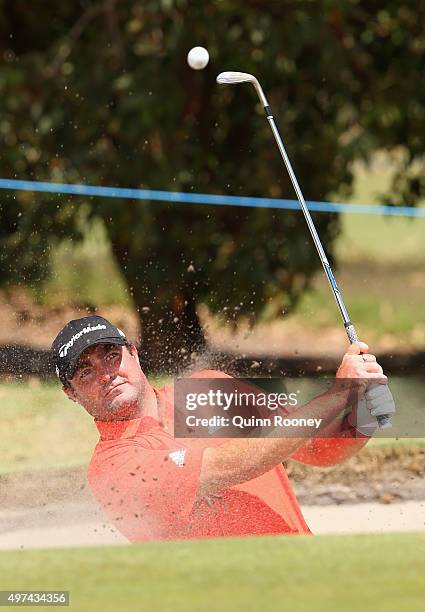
(198, 58)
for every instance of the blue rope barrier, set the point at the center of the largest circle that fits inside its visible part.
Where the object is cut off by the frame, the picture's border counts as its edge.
(177, 197)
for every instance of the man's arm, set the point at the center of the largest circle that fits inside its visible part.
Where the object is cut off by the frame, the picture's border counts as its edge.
(237, 461)
(240, 460)
(339, 441)
(343, 438)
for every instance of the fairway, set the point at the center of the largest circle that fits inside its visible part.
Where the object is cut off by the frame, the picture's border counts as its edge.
(332, 573)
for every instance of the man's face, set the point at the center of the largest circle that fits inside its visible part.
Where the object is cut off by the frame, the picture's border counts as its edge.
(109, 382)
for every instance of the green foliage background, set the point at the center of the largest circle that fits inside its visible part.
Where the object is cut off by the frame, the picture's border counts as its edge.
(100, 92)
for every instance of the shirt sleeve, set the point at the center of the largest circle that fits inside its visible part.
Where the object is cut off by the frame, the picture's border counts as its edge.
(325, 452)
(153, 489)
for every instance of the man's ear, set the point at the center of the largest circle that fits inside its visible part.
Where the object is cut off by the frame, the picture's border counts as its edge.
(70, 393)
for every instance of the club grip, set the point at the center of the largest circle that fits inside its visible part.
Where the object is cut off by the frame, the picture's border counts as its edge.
(384, 420)
(351, 332)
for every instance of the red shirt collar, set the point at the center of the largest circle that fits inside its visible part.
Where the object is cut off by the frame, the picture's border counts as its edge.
(116, 430)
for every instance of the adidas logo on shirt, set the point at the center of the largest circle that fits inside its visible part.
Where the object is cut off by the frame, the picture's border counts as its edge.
(178, 457)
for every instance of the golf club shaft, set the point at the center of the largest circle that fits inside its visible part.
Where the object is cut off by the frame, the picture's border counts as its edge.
(383, 420)
(351, 332)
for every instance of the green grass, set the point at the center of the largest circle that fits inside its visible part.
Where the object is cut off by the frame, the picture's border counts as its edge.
(380, 269)
(379, 573)
(41, 428)
(395, 240)
(381, 240)
(383, 301)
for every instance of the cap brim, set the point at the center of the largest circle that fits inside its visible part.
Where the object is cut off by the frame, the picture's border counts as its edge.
(74, 362)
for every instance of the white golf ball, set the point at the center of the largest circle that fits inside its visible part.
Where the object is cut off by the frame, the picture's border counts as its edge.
(198, 58)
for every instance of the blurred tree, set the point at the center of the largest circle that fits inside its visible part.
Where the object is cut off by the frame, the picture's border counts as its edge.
(100, 92)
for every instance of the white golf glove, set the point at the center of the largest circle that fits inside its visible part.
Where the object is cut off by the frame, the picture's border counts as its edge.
(376, 401)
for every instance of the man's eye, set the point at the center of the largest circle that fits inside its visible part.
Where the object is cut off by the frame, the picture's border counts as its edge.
(84, 373)
(113, 355)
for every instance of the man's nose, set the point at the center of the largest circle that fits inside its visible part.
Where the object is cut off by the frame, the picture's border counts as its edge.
(105, 377)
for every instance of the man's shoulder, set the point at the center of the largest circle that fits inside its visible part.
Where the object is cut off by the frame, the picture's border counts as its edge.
(100, 456)
(209, 374)
(168, 390)
(109, 456)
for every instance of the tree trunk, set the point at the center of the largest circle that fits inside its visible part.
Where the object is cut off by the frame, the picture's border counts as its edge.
(171, 335)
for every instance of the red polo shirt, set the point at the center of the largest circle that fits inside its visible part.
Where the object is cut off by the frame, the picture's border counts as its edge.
(147, 483)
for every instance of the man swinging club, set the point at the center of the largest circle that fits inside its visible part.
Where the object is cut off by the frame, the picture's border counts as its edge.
(155, 487)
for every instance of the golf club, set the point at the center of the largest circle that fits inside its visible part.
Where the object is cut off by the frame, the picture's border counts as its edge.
(234, 78)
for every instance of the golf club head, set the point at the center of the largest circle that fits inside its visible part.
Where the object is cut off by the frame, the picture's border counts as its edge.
(234, 78)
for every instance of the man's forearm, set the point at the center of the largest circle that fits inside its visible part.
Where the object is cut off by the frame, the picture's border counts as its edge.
(337, 442)
(240, 460)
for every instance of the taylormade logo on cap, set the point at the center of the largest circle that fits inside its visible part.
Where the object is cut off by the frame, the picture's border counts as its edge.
(63, 350)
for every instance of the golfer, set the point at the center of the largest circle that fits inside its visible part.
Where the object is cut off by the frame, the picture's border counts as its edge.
(155, 487)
